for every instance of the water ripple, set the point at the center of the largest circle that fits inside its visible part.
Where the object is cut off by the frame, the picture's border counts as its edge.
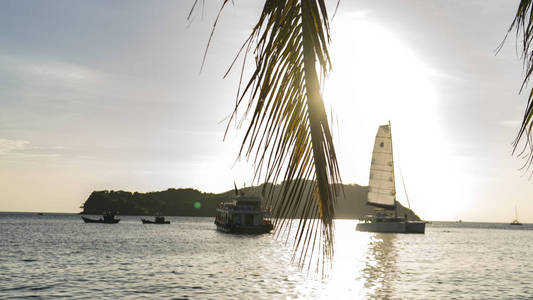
(61, 257)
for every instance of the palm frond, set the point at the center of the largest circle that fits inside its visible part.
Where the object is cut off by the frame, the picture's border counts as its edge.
(288, 136)
(523, 25)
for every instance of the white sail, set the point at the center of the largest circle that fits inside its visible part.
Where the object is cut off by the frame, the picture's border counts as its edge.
(382, 191)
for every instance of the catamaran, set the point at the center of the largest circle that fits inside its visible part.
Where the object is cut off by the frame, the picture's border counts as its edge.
(382, 191)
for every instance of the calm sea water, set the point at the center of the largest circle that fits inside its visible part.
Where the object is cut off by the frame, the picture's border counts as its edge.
(58, 255)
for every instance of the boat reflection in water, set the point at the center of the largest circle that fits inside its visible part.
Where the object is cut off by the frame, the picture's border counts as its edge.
(380, 268)
(365, 265)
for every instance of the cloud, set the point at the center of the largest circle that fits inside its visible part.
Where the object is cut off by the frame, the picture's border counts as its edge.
(7, 146)
(24, 149)
(510, 123)
(45, 70)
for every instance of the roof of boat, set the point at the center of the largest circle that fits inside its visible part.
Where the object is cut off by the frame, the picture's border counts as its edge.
(247, 198)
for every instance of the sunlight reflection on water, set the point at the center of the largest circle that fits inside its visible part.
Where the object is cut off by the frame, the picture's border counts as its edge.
(361, 265)
(60, 256)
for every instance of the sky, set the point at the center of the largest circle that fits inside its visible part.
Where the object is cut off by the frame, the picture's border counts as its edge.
(101, 95)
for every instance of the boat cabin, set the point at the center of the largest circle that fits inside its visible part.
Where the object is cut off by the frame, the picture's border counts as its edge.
(242, 210)
(109, 216)
(381, 217)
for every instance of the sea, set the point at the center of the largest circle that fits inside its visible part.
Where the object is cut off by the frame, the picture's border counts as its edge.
(58, 256)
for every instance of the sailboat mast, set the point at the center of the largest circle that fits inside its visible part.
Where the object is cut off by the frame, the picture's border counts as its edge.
(404, 188)
(393, 179)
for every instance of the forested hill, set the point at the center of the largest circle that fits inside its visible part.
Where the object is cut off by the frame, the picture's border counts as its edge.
(191, 202)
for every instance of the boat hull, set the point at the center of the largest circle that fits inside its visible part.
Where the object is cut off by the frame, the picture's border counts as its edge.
(234, 228)
(392, 227)
(89, 220)
(416, 227)
(153, 222)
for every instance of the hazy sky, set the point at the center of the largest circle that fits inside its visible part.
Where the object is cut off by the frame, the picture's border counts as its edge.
(108, 95)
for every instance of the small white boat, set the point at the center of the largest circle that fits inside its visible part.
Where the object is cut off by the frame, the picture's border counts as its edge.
(243, 214)
(515, 221)
(382, 191)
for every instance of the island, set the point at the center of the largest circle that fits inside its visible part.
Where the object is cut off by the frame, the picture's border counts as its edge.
(192, 202)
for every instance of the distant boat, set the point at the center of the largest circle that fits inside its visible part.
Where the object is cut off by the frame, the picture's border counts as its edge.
(108, 218)
(382, 191)
(515, 221)
(243, 214)
(40, 214)
(158, 220)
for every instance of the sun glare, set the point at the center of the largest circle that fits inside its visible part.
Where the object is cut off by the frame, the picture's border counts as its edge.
(376, 77)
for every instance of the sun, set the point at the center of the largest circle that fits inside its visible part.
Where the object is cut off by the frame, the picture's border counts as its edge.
(371, 63)
(377, 77)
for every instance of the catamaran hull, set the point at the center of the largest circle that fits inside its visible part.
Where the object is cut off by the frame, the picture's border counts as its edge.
(416, 227)
(231, 228)
(392, 227)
